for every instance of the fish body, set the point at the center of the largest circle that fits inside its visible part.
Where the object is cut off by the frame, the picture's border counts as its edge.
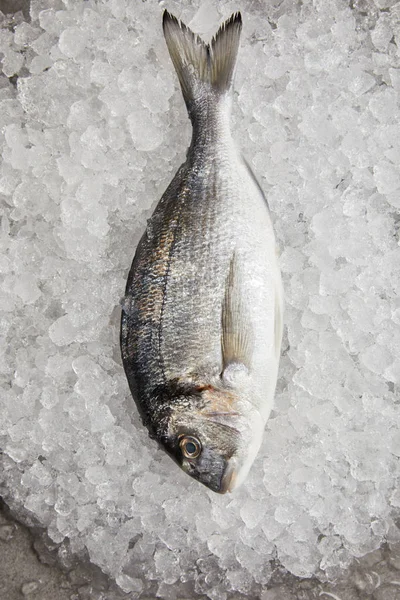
(202, 324)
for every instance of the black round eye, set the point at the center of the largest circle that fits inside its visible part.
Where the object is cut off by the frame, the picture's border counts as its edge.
(190, 446)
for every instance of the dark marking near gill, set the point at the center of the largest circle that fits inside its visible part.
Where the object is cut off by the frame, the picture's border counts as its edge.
(174, 389)
(165, 397)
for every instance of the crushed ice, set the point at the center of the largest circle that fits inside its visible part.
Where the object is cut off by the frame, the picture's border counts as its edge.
(92, 129)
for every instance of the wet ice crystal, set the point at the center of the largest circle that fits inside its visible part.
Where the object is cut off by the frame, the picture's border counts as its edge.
(90, 136)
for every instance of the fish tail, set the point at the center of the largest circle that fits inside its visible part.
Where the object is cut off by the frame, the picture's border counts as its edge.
(202, 67)
(223, 50)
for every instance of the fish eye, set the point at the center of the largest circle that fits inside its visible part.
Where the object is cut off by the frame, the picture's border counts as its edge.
(190, 446)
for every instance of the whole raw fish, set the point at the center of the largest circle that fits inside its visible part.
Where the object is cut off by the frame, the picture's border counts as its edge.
(202, 320)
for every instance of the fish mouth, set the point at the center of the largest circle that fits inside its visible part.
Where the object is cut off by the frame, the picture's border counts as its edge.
(228, 480)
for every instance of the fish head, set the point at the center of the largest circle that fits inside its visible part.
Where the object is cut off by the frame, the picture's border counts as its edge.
(213, 437)
(205, 450)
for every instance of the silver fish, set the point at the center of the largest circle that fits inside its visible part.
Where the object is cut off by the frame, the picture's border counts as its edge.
(202, 326)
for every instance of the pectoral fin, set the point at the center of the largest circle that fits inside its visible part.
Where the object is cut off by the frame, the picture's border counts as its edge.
(237, 335)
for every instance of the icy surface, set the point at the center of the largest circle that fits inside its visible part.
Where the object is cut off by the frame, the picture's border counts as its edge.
(92, 129)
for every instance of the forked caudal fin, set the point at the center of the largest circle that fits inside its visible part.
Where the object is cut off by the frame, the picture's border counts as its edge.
(202, 67)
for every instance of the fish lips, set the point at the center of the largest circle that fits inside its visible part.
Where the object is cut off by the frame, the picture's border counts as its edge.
(212, 470)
